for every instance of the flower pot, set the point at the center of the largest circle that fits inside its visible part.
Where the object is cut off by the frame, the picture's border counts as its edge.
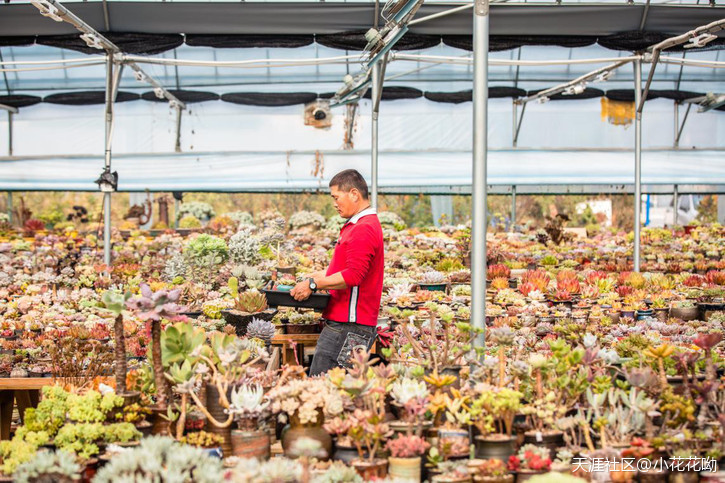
(493, 447)
(455, 442)
(404, 427)
(296, 430)
(685, 477)
(684, 313)
(378, 469)
(652, 476)
(526, 475)
(303, 328)
(217, 411)
(433, 287)
(251, 444)
(160, 425)
(661, 314)
(451, 479)
(404, 468)
(552, 440)
(707, 309)
(493, 479)
(343, 453)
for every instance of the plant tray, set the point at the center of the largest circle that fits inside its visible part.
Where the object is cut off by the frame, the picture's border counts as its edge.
(277, 298)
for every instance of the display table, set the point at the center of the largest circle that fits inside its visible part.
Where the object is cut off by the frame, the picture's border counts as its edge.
(26, 390)
(287, 343)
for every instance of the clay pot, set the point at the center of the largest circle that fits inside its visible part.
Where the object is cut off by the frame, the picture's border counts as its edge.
(251, 444)
(684, 313)
(526, 475)
(378, 469)
(217, 411)
(315, 431)
(552, 441)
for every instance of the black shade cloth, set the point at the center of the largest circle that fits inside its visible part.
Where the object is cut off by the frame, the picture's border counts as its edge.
(129, 43)
(507, 42)
(243, 41)
(627, 95)
(269, 98)
(589, 93)
(16, 41)
(326, 95)
(677, 95)
(188, 97)
(467, 96)
(20, 100)
(393, 93)
(85, 98)
(355, 40)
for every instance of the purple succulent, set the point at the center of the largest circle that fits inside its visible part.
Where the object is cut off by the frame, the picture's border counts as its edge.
(156, 305)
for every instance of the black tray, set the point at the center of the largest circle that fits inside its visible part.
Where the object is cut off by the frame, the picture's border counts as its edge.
(277, 298)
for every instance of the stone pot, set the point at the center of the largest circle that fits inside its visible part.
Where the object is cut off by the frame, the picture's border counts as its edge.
(684, 313)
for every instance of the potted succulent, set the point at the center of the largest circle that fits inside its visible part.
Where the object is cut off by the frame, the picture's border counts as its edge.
(490, 471)
(306, 402)
(248, 305)
(405, 456)
(249, 407)
(684, 310)
(531, 460)
(47, 466)
(411, 396)
(493, 411)
(433, 280)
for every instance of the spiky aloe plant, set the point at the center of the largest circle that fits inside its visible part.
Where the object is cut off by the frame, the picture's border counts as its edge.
(251, 302)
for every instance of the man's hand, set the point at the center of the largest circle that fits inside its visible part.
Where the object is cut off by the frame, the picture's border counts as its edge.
(301, 291)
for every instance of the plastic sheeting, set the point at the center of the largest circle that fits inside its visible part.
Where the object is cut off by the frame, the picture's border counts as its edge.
(240, 172)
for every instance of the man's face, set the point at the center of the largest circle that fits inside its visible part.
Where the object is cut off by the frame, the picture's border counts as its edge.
(345, 201)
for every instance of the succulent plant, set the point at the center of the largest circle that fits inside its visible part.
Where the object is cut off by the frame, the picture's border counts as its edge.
(202, 439)
(338, 472)
(306, 218)
(251, 302)
(59, 466)
(244, 247)
(197, 209)
(389, 219)
(161, 459)
(189, 221)
(261, 329)
(248, 401)
(335, 223)
(433, 277)
(406, 389)
(240, 217)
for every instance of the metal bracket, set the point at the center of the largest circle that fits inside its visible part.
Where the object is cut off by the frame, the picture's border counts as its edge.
(681, 126)
(518, 125)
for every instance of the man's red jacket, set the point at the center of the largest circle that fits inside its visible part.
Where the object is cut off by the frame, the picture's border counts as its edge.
(359, 255)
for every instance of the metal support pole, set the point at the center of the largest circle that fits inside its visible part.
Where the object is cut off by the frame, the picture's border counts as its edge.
(177, 145)
(515, 123)
(677, 123)
(107, 160)
(10, 133)
(480, 147)
(177, 204)
(678, 134)
(637, 162)
(675, 205)
(374, 137)
(10, 207)
(518, 124)
(513, 208)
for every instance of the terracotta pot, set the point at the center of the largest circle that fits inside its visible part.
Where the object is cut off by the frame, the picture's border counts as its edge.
(684, 477)
(251, 444)
(404, 468)
(217, 411)
(378, 469)
(526, 475)
(652, 476)
(296, 430)
(450, 479)
(492, 447)
(661, 314)
(619, 476)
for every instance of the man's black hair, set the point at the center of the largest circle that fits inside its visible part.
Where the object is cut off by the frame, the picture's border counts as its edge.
(348, 179)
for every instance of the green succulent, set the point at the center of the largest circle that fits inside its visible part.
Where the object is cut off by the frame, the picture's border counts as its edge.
(48, 466)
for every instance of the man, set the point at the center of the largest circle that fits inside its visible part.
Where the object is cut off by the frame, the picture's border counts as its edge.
(354, 277)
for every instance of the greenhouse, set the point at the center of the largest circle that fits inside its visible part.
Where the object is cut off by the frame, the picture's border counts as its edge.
(346, 241)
